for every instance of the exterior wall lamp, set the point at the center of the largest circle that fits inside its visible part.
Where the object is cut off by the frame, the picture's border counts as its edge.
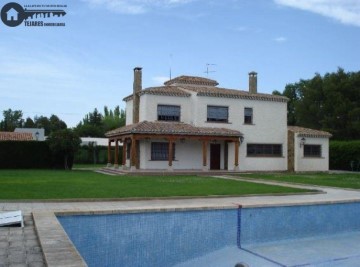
(302, 142)
(241, 139)
(37, 134)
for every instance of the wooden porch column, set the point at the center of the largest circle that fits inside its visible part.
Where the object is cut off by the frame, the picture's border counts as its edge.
(116, 162)
(124, 154)
(109, 153)
(204, 154)
(133, 155)
(171, 152)
(236, 164)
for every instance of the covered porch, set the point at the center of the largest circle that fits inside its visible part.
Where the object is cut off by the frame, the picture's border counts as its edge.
(173, 145)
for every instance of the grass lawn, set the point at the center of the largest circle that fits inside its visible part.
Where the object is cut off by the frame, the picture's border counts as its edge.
(88, 166)
(50, 184)
(343, 180)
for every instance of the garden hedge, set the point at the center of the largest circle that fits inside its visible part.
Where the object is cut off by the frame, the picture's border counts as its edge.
(345, 155)
(24, 155)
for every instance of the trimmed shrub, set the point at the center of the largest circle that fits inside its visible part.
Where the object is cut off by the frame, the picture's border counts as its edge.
(345, 155)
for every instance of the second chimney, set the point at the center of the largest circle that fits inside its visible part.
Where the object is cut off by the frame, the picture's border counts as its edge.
(137, 87)
(252, 82)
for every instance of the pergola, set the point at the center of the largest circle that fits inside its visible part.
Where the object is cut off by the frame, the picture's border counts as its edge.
(171, 132)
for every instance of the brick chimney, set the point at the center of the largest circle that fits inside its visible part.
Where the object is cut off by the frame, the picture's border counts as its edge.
(137, 87)
(253, 82)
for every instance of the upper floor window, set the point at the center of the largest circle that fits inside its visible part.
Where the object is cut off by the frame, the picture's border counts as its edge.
(248, 115)
(312, 151)
(264, 150)
(217, 114)
(168, 113)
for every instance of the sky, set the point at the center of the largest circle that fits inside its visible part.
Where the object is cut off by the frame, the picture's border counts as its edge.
(88, 63)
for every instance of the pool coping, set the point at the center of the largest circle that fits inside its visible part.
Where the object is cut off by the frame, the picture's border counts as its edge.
(59, 251)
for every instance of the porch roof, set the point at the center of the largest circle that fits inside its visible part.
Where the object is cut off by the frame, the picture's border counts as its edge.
(172, 128)
(306, 132)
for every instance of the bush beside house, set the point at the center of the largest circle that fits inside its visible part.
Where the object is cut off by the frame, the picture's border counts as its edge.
(345, 155)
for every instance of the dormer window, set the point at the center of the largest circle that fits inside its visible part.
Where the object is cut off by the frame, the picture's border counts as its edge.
(217, 114)
(168, 113)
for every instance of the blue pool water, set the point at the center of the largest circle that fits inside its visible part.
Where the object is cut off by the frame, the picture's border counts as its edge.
(312, 235)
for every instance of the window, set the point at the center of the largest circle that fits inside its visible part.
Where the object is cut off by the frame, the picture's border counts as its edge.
(248, 115)
(168, 113)
(217, 114)
(264, 150)
(160, 151)
(312, 151)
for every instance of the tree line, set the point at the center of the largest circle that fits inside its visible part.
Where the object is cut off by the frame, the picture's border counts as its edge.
(330, 102)
(94, 124)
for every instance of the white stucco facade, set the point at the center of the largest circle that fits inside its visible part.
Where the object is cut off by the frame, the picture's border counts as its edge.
(303, 163)
(264, 140)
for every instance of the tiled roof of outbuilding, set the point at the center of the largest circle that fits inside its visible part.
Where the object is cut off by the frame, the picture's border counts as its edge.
(12, 136)
(172, 128)
(306, 132)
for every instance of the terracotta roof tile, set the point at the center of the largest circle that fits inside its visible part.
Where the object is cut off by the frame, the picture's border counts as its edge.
(194, 80)
(306, 132)
(233, 93)
(172, 128)
(12, 136)
(161, 90)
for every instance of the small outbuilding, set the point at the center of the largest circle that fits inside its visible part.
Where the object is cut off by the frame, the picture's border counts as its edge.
(308, 149)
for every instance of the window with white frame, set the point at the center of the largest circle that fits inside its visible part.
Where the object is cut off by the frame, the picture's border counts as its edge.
(217, 114)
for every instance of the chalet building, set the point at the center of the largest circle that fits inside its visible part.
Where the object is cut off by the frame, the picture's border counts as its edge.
(192, 124)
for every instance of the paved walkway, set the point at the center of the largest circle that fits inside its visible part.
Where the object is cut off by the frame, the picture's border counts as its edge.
(58, 251)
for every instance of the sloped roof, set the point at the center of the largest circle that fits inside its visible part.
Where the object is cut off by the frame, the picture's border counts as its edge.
(233, 93)
(306, 132)
(182, 86)
(194, 80)
(12, 136)
(172, 128)
(161, 90)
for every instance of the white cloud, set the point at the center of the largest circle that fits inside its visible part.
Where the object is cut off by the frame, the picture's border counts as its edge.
(280, 39)
(345, 11)
(159, 80)
(136, 6)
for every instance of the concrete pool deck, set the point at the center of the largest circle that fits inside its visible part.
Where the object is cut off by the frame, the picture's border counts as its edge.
(59, 251)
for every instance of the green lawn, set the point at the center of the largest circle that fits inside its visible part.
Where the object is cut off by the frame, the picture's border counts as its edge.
(48, 184)
(343, 180)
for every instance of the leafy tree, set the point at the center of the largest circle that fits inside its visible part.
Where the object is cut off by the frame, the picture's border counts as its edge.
(50, 125)
(330, 102)
(29, 123)
(12, 119)
(94, 124)
(64, 143)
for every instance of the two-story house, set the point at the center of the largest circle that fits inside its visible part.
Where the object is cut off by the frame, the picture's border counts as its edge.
(192, 124)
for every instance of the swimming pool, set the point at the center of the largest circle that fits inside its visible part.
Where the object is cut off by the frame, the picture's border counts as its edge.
(306, 235)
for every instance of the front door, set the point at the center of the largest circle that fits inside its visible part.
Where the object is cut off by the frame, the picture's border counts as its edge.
(215, 156)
